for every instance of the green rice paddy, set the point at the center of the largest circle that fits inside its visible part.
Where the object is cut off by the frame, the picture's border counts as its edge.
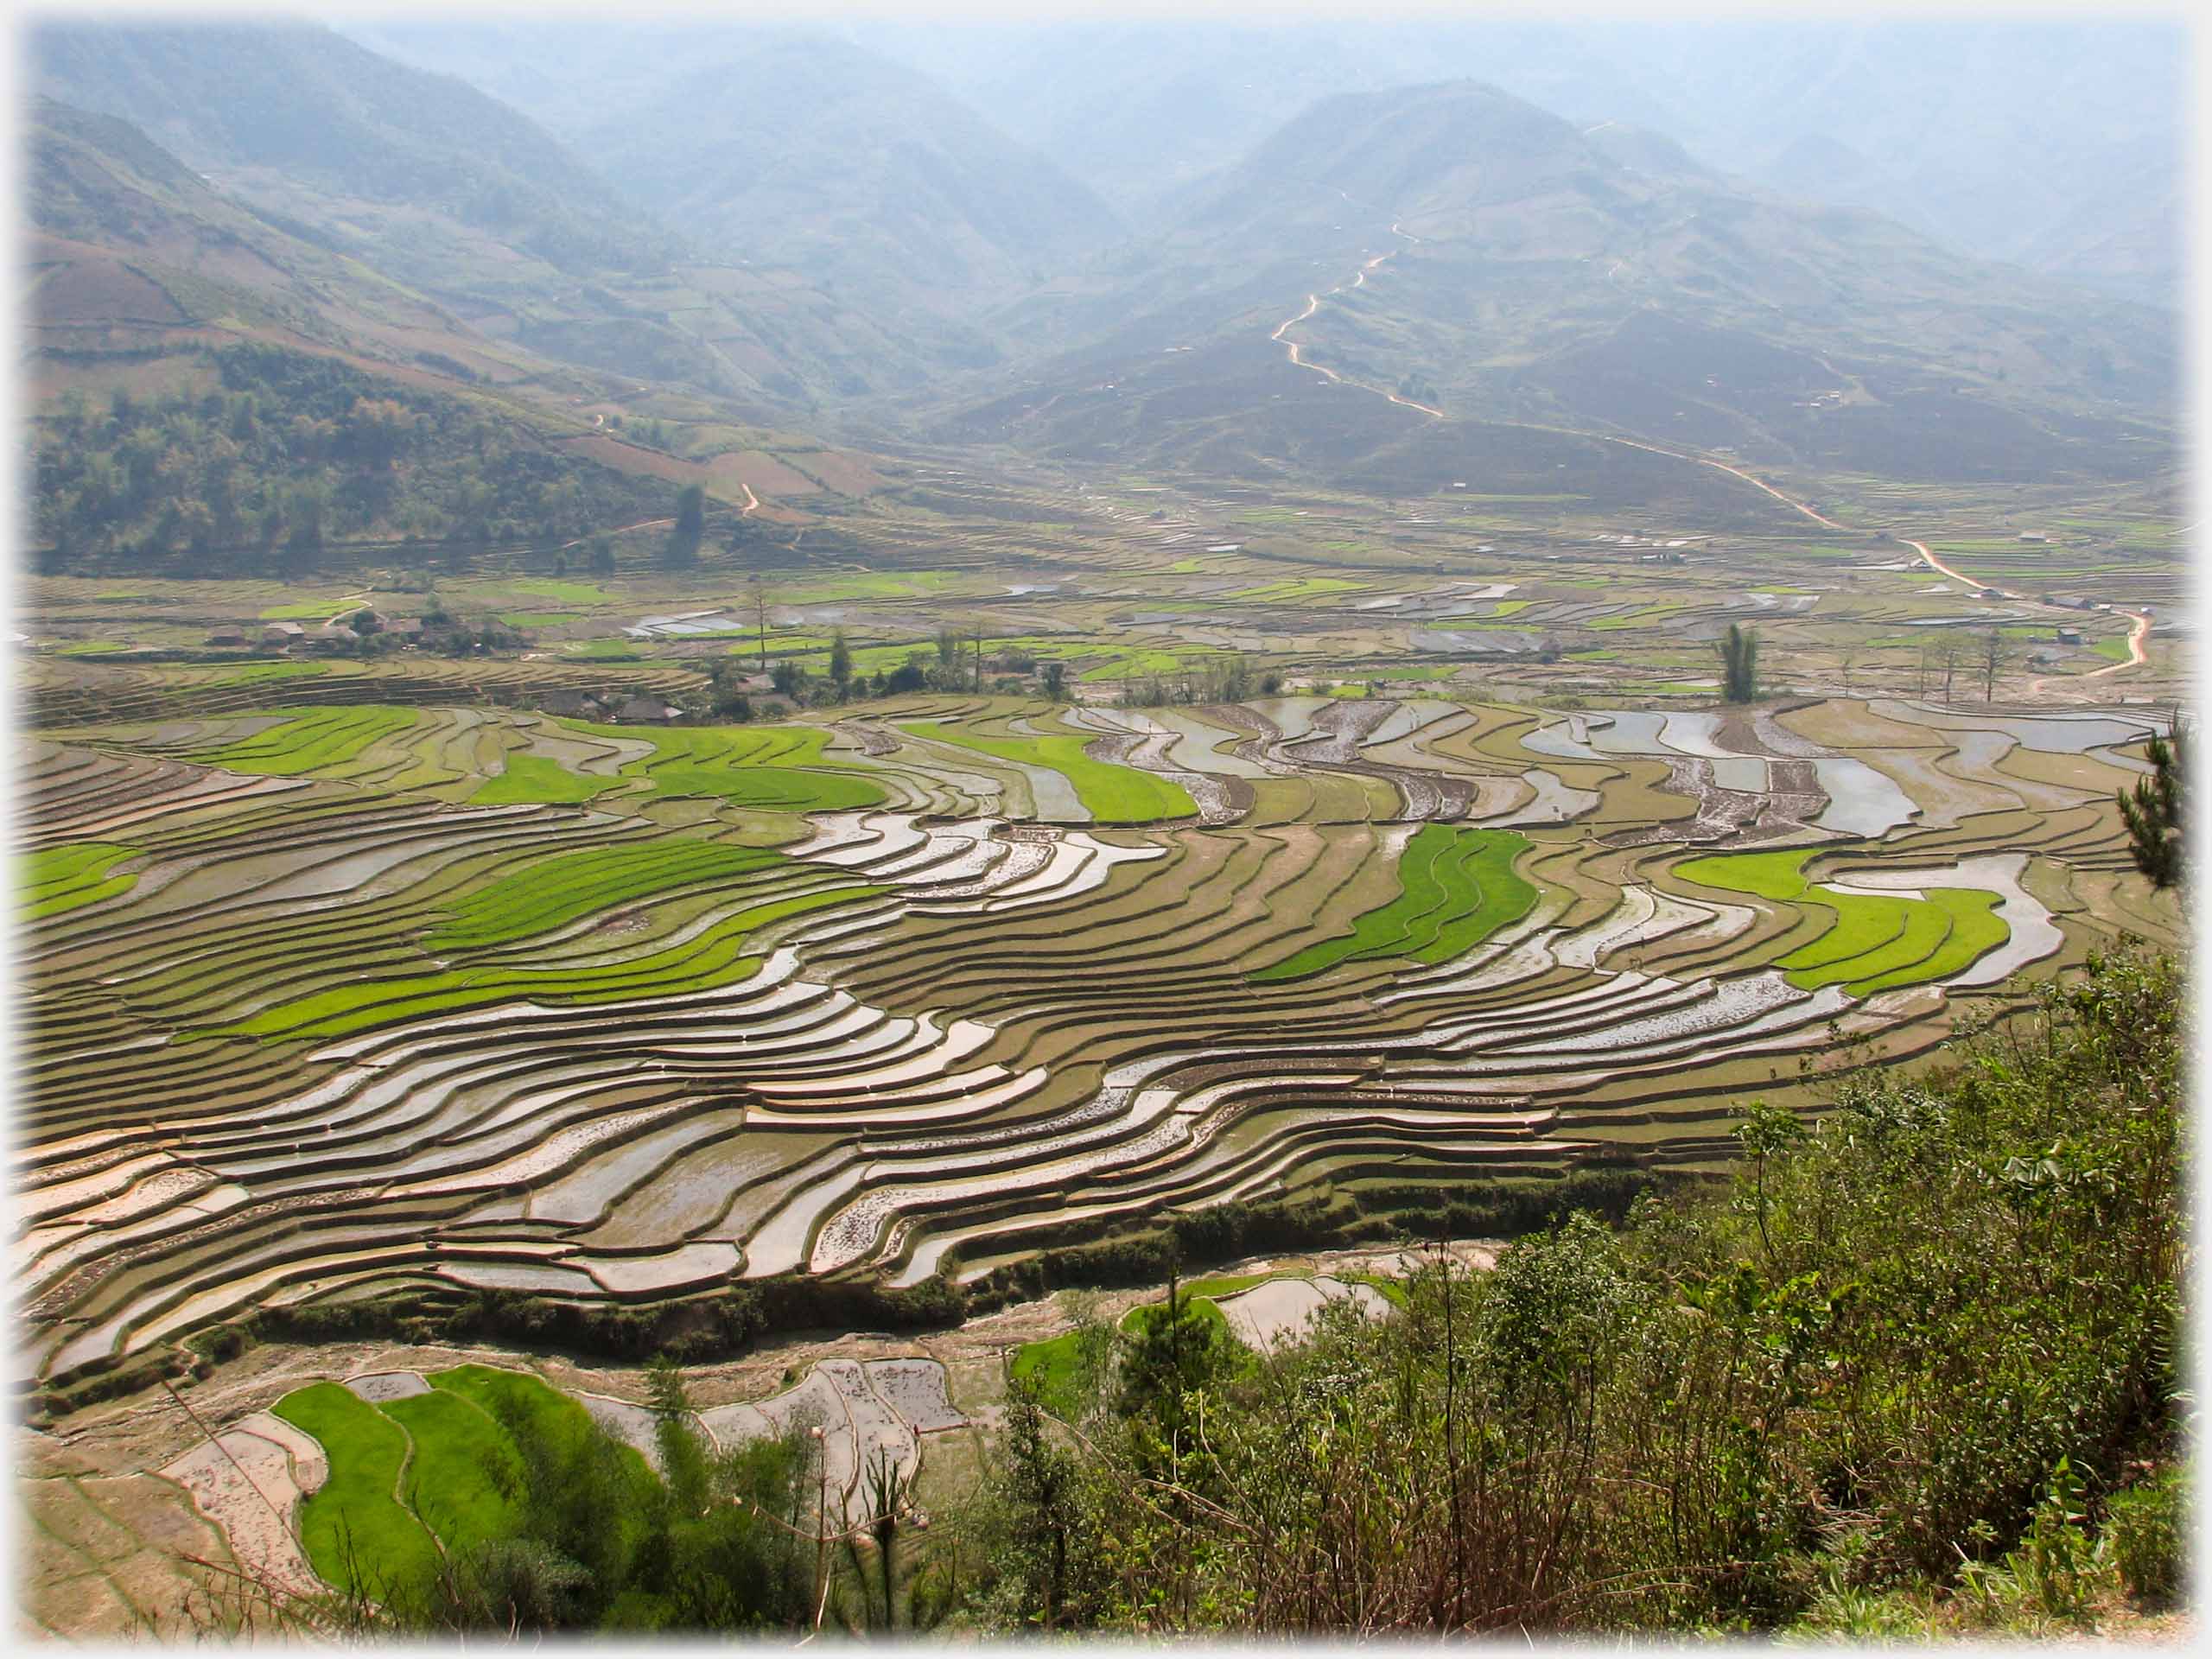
(1112, 794)
(453, 1482)
(553, 891)
(56, 880)
(408, 1475)
(770, 767)
(354, 1522)
(1872, 941)
(539, 780)
(311, 739)
(1456, 887)
(714, 958)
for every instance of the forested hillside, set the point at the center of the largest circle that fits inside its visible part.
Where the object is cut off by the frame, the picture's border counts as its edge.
(289, 455)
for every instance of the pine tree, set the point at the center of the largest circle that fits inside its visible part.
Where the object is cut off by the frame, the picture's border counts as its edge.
(1740, 663)
(2156, 813)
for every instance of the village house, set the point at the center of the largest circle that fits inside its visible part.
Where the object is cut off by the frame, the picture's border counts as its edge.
(226, 637)
(648, 711)
(571, 705)
(2069, 636)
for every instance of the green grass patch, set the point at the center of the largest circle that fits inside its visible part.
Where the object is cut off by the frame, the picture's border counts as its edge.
(540, 619)
(1872, 941)
(567, 593)
(313, 610)
(1050, 1364)
(55, 879)
(867, 584)
(560, 1422)
(1638, 619)
(354, 1520)
(260, 673)
(1113, 794)
(1143, 662)
(1390, 1290)
(1294, 589)
(1456, 887)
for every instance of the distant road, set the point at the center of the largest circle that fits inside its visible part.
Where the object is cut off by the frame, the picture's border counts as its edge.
(1313, 304)
(2136, 655)
(644, 524)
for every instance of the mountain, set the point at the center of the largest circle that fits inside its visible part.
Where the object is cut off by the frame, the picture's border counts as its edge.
(435, 187)
(859, 174)
(285, 111)
(133, 251)
(1997, 137)
(1142, 109)
(794, 148)
(253, 360)
(2004, 139)
(1469, 252)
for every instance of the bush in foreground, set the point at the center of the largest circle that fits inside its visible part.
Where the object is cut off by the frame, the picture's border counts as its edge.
(1909, 1359)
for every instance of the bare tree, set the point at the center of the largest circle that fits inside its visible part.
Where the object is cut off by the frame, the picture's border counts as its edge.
(1996, 652)
(1947, 654)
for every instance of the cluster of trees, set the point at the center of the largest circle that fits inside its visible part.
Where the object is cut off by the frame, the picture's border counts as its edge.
(290, 454)
(1985, 656)
(1922, 1354)
(1229, 677)
(2156, 813)
(958, 664)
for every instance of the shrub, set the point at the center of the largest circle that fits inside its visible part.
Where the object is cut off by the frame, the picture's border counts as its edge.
(1890, 1355)
(2149, 1539)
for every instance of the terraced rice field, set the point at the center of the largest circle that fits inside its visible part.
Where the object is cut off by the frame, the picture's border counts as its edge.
(370, 1481)
(323, 998)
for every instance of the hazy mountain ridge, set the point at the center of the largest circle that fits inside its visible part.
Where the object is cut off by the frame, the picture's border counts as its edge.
(322, 112)
(1536, 277)
(852, 170)
(874, 252)
(792, 148)
(439, 188)
(1993, 135)
(115, 203)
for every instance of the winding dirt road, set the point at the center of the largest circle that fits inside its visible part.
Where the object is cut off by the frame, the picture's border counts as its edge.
(2136, 655)
(1313, 304)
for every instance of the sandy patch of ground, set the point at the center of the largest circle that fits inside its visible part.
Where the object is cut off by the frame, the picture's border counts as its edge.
(1277, 1313)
